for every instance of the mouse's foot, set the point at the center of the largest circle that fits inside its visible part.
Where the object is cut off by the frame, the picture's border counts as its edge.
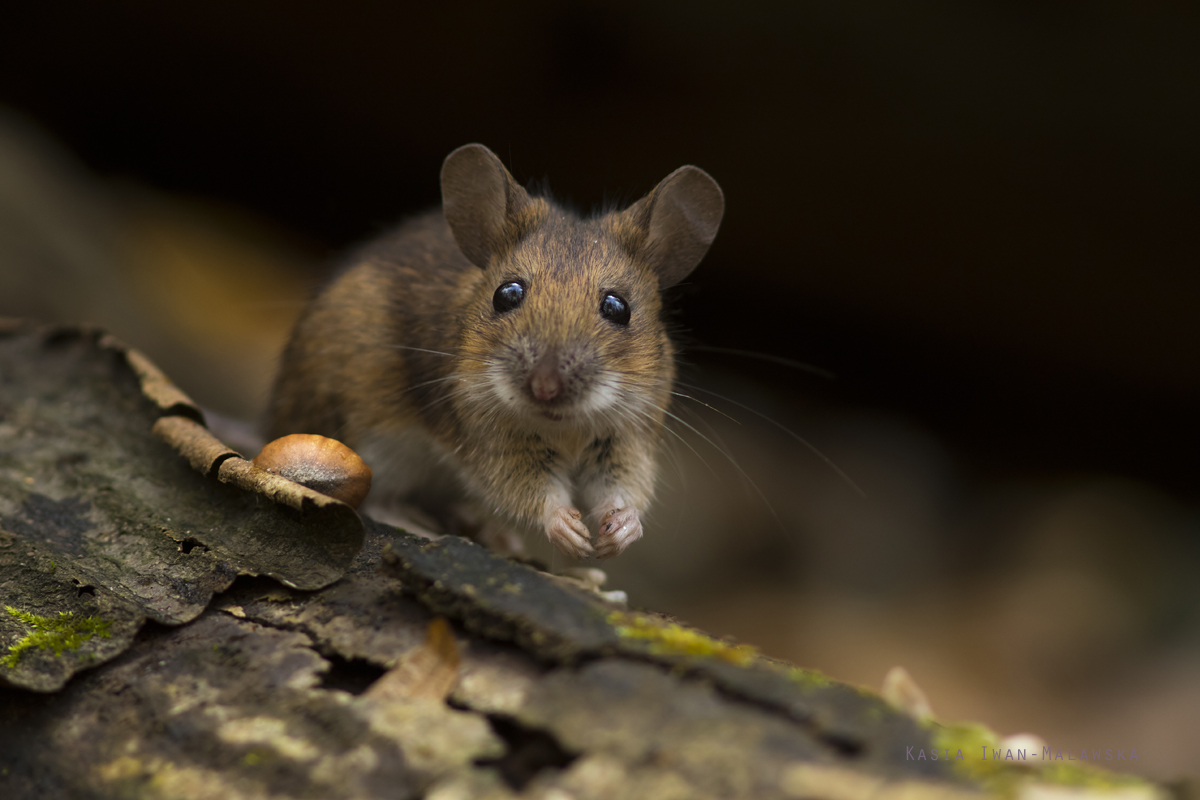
(619, 528)
(565, 529)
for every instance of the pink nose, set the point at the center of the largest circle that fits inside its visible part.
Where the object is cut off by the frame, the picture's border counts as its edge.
(545, 382)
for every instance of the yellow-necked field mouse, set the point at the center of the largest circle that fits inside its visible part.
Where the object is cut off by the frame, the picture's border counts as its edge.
(506, 352)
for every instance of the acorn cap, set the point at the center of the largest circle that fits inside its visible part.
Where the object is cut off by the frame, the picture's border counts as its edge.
(322, 464)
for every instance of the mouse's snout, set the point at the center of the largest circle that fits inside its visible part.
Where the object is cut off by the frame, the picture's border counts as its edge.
(559, 378)
(545, 380)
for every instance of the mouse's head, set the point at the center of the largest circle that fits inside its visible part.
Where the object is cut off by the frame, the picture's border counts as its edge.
(564, 325)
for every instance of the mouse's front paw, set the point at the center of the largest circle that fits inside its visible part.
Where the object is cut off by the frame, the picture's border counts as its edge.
(619, 528)
(565, 529)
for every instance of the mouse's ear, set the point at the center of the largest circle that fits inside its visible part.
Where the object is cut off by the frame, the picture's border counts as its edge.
(675, 224)
(482, 202)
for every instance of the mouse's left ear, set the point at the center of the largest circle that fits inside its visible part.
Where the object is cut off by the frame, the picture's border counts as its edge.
(484, 206)
(673, 226)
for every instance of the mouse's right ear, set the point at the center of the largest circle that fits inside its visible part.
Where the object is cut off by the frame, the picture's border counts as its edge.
(673, 226)
(482, 203)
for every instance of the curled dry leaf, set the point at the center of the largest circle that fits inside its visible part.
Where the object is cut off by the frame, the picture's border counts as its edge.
(322, 464)
(102, 527)
(902, 692)
(430, 671)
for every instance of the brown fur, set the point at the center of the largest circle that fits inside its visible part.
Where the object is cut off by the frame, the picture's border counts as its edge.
(460, 419)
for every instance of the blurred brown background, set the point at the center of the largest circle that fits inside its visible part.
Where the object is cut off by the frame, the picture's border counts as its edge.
(980, 217)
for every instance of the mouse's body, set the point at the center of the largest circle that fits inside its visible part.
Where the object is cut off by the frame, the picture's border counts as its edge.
(504, 352)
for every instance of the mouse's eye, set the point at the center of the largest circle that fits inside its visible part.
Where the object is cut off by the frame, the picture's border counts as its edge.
(614, 309)
(508, 296)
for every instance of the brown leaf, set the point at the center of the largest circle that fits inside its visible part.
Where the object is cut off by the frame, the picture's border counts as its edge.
(902, 692)
(429, 671)
(192, 441)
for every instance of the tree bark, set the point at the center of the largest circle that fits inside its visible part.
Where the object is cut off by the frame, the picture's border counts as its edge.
(178, 624)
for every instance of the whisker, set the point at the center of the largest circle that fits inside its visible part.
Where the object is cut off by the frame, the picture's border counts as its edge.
(811, 447)
(706, 405)
(707, 426)
(786, 362)
(451, 395)
(731, 460)
(673, 454)
(680, 438)
(418, 349)
(455, 377)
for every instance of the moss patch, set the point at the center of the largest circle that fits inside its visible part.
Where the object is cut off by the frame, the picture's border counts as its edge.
(809, 680)
(670, 639)
(60, 634)
(1004, 778)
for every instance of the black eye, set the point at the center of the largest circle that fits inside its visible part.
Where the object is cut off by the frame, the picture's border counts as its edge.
(615, 309)
(508, 296)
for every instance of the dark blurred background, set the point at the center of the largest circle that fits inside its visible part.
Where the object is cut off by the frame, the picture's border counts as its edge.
(980, 217)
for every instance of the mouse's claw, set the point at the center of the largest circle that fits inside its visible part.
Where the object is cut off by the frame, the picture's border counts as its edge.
(619, 528)
(565, 529)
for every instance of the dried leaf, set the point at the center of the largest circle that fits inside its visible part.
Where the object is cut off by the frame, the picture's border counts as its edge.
(192, 441)
(430, 671)
(155, 384)
(100, 523)
(902, 692)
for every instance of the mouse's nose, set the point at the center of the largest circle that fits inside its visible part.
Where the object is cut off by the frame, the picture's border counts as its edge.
(545, 380)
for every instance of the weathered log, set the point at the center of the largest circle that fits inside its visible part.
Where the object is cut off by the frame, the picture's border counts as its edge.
(102, 525)
(296, 652)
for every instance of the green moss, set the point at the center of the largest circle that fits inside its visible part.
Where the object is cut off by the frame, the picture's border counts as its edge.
(1091, 777)
(809, 679)
(1003, 778)
(60, 634)
(874, 714)
(670, 639)
(997, 777)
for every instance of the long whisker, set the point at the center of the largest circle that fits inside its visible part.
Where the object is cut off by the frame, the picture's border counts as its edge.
(455, 377)
(419, 350)
(811, 447)
(786, 362)
(673, 455)
(628, 412)
(452, 394)
(706, 405)
(731, 460)
(686, 444)
(700, 420)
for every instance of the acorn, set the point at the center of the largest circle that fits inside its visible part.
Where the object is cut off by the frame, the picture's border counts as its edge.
(322, 464)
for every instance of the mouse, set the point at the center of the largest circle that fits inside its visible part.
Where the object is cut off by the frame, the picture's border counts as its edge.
(505, 356)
